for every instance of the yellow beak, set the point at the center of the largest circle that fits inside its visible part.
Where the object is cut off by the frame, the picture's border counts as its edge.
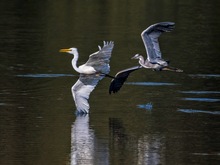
(64, 50)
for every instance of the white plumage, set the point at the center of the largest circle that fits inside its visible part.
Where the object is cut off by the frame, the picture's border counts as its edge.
(94, 70)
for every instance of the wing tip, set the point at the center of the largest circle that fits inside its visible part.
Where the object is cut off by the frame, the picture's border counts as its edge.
(80, 112)
(106, 43)
(165, 26)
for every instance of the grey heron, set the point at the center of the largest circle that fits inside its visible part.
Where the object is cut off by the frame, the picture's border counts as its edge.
(154, 57)
(94, 70)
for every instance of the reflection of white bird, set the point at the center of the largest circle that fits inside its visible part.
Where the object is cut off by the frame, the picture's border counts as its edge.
(154, 57)
(82, 141)
(95, 69)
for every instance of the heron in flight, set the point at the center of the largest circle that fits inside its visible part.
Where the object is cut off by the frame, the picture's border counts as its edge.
(94, 70)
(154, 57)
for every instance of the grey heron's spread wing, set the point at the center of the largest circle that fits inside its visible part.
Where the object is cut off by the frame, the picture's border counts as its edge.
(150, 39)
(100, 59)
(120, 78)
(82, 89)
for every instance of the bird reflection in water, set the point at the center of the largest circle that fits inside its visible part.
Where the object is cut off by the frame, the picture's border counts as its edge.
(86, 148)
(144, 149)
(82, 141)
(117, 131)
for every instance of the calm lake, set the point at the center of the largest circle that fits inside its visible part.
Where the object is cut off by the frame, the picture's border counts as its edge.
(156, 118)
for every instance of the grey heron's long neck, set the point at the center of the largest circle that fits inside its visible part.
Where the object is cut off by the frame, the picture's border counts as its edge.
(74, 62)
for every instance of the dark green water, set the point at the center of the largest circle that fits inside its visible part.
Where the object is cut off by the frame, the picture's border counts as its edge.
(156, 118)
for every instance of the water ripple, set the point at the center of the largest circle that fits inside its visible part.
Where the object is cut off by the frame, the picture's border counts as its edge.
(151, 83)
(205, 75)
(206, 154)
(200, 92)
(201, 99)
(147, 106)
(45, 75)
(3, 104)
(199, 111)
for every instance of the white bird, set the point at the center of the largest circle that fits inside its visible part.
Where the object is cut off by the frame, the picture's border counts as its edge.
(154, 57)
(94, 70)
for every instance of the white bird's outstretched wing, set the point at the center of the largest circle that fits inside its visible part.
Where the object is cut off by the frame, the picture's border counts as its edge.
(82, 89)
(100, 59)
(150, 39)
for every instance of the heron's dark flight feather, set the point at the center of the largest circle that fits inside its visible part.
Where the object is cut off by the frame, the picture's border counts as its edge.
(120, 78)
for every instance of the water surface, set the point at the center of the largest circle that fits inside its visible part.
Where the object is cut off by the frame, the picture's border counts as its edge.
(156, 117)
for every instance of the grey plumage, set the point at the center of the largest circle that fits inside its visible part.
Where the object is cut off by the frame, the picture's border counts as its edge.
(154, 56)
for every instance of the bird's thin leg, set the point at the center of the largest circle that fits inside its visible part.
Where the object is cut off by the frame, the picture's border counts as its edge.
(169, 68)
(107, 75)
